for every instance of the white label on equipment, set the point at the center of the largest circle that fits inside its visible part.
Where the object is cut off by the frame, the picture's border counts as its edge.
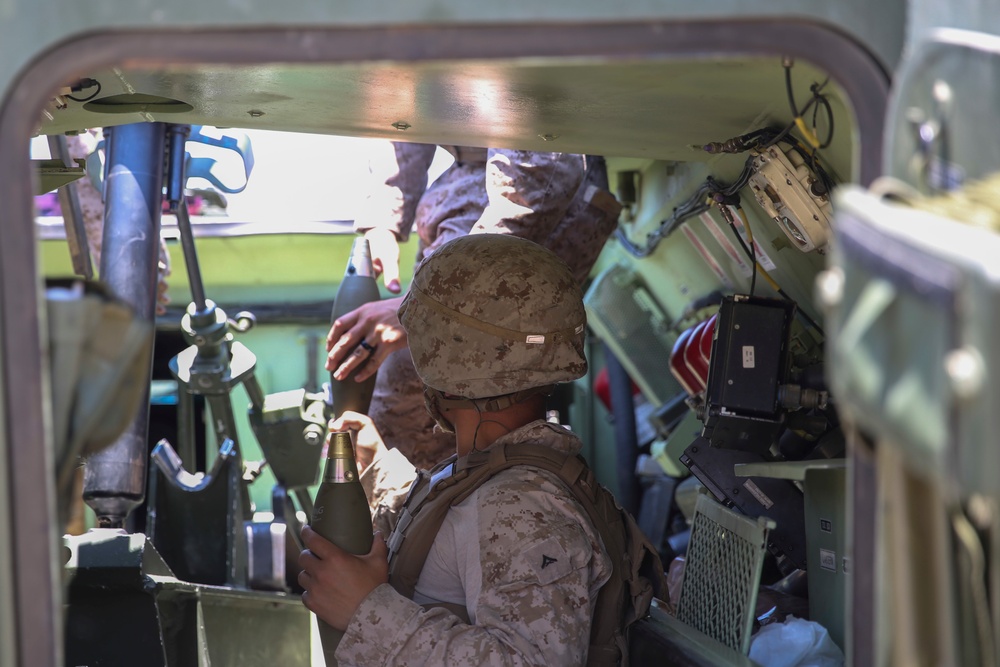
(748, 356)
(828, 560)
(758, 494)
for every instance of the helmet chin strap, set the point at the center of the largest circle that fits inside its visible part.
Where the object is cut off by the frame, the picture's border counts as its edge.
(437, 403)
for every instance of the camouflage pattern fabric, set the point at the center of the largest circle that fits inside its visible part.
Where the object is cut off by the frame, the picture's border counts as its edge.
(490, 315)
(91, 205)
(548, 198)
(397, 408)
(543, 197)
(529, 581)
(386, 482)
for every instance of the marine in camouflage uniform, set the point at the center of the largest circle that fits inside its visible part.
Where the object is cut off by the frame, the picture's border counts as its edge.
(493, 323)
(519, 555)
(557, 200)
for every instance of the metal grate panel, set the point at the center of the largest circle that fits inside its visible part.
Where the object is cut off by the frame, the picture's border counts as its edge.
(722, 573)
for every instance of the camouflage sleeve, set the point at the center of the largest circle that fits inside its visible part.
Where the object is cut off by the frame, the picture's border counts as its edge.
(91, 206)
(399, 179)
(589, 221)
(532, 582)
(386, 482)
(528, 195)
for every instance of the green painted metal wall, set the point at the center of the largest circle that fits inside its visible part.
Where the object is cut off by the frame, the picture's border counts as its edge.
(37, 25)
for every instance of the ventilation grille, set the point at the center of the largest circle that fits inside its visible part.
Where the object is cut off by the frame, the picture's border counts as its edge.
(722, 573)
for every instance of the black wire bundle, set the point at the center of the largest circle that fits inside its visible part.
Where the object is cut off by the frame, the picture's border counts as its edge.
(702, 200)
(759, 139)
(817, 101)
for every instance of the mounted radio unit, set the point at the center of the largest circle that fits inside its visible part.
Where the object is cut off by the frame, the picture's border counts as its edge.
(750, 362)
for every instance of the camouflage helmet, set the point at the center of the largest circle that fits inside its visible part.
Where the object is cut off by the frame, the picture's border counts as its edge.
(491, 314)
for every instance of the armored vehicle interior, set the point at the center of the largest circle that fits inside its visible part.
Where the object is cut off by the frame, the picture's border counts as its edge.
(710, 310)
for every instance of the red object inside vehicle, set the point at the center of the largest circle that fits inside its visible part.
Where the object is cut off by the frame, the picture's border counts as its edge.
(690, 357)
(602, 387)
(678, 366)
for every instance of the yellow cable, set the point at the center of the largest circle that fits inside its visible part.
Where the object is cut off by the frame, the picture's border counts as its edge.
(806, 132)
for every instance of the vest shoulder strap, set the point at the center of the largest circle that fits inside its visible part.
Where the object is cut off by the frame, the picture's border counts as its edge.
(637, 572)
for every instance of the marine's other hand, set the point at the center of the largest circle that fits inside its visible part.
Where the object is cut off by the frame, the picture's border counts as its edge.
(368, 444)
(336, 582)
(384, 247)
(363, 338)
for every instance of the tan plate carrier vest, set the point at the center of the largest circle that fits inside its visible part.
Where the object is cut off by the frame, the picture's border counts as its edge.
(637, 574)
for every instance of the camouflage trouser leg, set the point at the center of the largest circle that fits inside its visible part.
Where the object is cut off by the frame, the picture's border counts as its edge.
(397, 408)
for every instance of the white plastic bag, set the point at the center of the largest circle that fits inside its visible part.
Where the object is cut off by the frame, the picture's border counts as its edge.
(795, 643)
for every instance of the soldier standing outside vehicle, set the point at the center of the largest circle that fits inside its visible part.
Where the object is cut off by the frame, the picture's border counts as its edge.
(487, 563)
(557, 200)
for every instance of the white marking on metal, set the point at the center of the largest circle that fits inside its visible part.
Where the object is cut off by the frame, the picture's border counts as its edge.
(758, 494)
